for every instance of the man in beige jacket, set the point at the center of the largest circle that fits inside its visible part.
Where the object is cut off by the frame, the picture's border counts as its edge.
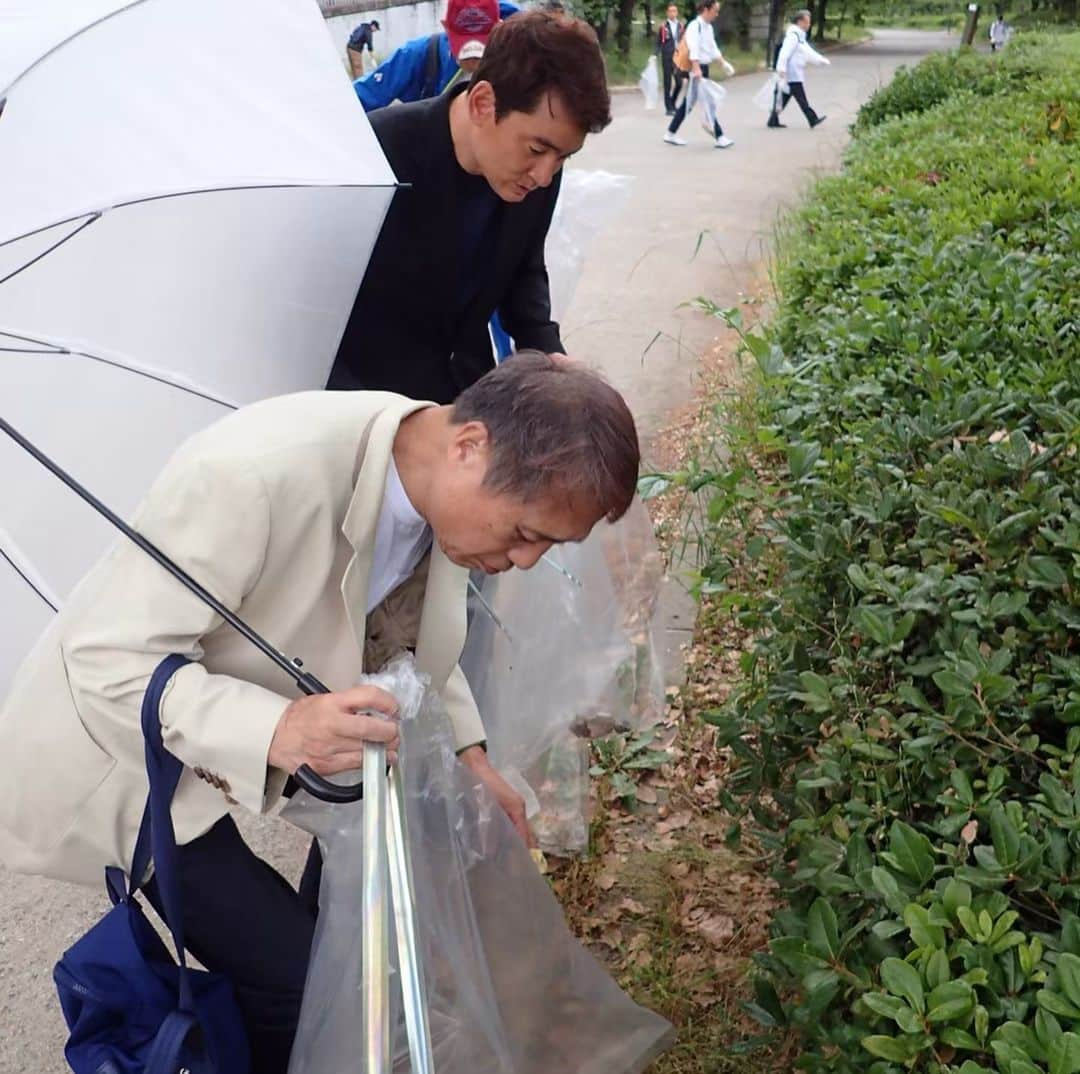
(340, 526)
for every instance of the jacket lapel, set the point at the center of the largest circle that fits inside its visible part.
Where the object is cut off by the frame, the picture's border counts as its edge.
(441, 636)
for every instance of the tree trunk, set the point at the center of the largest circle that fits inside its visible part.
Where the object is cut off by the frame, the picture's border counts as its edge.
(624, 26)
(743, 16)
(819, 18)
(646, 8)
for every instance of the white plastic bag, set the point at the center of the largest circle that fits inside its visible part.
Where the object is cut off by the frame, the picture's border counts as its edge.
(588, 202)
(649, 84)
(765, 98)
(509, 989)
(711, 96)
(568, 662)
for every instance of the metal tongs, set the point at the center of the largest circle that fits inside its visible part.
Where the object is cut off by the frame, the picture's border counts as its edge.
(386, 851)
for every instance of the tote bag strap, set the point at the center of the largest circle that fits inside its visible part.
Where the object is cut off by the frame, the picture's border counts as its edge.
(157, 839)
(167, 1050)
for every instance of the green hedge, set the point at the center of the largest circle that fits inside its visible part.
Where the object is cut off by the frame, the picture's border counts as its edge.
(908, 560)
(953, 74)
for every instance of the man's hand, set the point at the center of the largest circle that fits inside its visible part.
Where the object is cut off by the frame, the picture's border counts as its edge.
(513, 805)
(327, 732)
(695, 70)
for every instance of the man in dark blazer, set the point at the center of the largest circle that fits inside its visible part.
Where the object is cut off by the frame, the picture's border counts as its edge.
(464, 237)
(667, 41)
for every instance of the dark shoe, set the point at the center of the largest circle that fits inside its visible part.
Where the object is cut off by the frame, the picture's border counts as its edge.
(776, 125)
(817, 122)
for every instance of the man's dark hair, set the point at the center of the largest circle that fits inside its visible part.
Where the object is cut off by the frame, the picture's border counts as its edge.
(375, 24)
(555, 426)
(536, 53)
(707, 5)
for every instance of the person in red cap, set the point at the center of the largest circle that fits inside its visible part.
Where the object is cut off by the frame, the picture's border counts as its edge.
(426, 66)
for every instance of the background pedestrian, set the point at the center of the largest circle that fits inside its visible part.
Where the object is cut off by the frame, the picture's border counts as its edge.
(667, 39)
(703, 51)
(362, 40)
(795, 53)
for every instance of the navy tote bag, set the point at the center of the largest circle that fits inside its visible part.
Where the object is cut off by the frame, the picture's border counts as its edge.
(130, 1007)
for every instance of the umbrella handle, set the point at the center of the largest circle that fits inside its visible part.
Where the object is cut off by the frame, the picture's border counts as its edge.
(306, 776)
(318, 787)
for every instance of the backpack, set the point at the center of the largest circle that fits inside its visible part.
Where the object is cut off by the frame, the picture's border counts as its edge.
(681, 59)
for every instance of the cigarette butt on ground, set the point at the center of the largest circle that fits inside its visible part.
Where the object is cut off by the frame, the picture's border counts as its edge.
(539, 860)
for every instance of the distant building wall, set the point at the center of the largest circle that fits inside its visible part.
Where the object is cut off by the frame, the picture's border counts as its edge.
(398, 22)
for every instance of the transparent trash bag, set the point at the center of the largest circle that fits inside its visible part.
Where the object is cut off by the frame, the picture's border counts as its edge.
(555, 657)
(509, 989)
(765, 96)
(649, 84)
(710, 96)
(589, 201)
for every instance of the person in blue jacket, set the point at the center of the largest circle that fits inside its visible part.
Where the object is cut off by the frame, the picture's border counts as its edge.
(425, 66)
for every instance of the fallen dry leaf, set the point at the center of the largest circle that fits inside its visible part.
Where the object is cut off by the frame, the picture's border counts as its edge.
(717, 929)
(674, 823)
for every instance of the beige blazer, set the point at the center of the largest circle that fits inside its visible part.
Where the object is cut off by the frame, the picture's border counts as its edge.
(273, 509)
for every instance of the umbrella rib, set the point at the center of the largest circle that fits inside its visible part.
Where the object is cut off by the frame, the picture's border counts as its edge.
(46, 227)
(61, 351)
(45, 253)
(23, 575)
(96, 214)
(199, 393)
(66, 41)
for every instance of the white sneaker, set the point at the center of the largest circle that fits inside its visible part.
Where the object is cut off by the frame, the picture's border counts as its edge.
(673, 139)
(724, 141)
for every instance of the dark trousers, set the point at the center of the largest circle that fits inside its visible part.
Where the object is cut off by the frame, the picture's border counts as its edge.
(672, 78)
(244, 920)
(680, 112)
(796, 90)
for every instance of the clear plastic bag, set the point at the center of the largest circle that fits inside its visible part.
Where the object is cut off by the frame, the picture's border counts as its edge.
(710, 95)
(560, 656)
(510, 990)
(588, 202)
(649, 84)
(766, 96)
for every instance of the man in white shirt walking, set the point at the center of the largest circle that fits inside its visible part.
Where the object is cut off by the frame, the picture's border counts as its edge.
(999, 33)
(703, 50)
(795, 53)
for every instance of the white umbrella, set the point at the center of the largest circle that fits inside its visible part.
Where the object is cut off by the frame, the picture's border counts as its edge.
(189, 194)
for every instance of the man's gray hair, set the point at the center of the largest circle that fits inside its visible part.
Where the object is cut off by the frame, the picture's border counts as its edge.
(555, 426)
(802, 13)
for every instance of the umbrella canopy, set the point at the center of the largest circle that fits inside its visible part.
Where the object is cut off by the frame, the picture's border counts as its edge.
(189, 194)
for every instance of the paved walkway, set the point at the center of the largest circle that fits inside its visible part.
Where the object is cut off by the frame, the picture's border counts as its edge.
(636, 279)
(641, 272)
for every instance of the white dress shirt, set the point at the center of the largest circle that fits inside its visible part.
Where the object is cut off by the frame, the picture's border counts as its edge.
(701, 41)
(795, 53)
(402, 538)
